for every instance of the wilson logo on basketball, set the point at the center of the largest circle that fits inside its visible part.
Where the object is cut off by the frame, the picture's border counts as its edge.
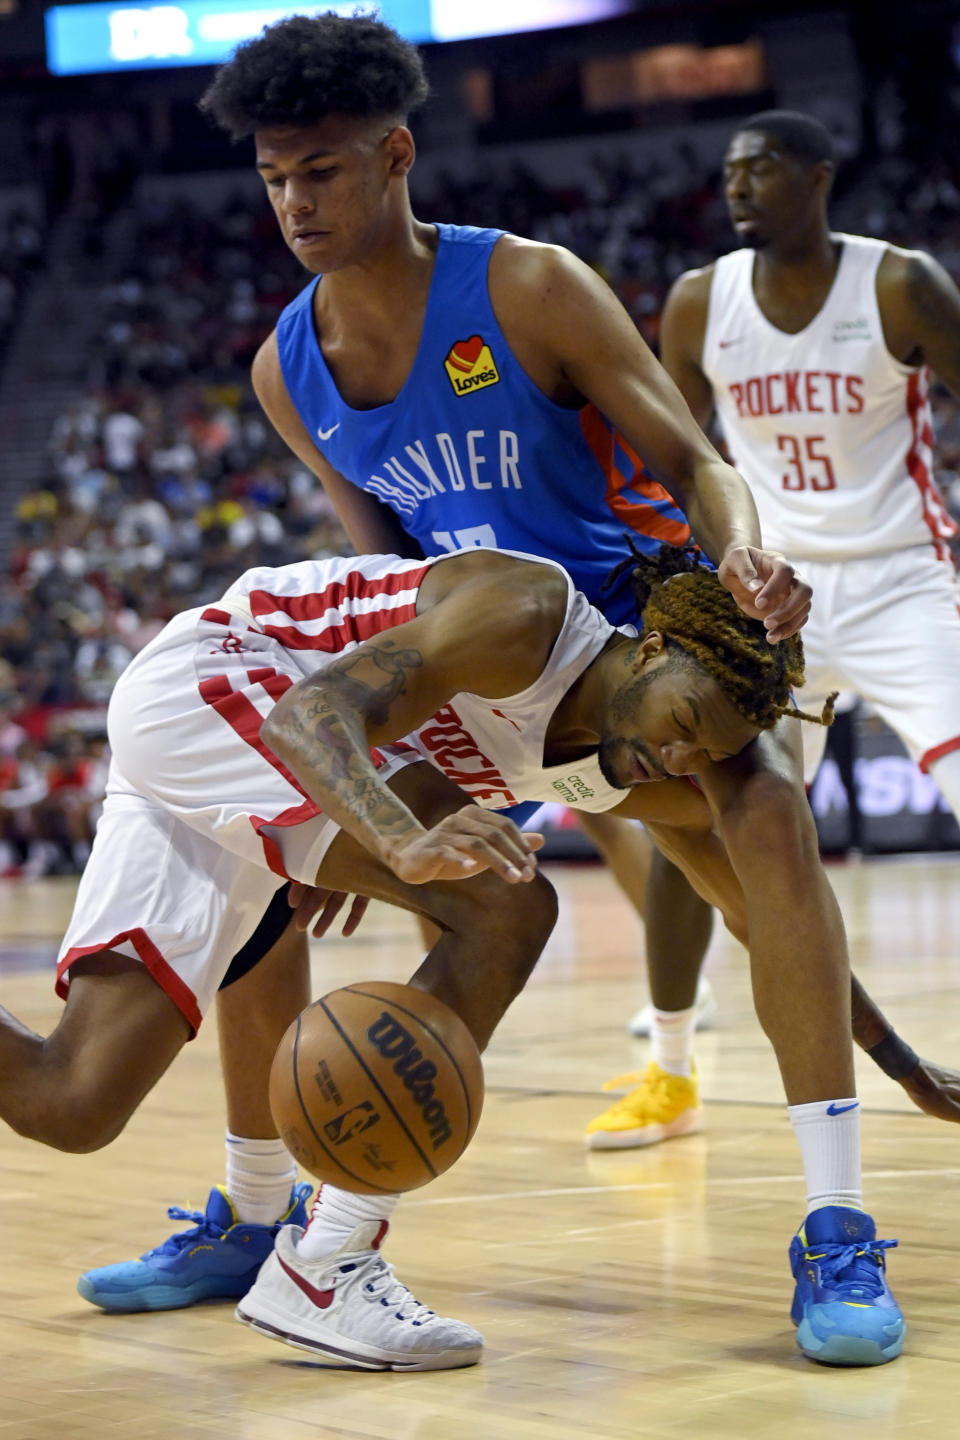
(470, 365)
(397, 1044)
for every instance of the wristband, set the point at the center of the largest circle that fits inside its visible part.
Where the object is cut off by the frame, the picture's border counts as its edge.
(894, 1056)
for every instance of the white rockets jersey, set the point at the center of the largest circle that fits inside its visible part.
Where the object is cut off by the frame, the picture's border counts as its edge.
(832, 434)
(493, 749)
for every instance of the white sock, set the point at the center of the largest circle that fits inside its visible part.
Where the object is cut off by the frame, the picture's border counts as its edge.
(828, 1132)
(260, 1176)
(336, 1214)
(672, 1040)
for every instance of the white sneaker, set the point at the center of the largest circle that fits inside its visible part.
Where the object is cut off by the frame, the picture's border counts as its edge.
(706, 1007)
(348, 1309)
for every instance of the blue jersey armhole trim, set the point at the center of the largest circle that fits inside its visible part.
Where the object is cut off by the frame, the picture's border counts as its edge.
(290, 325)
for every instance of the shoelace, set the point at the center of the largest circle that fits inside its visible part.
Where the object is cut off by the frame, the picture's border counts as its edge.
(657, 1094)
(202, 1227)
(381, 1285)
(852, 1270)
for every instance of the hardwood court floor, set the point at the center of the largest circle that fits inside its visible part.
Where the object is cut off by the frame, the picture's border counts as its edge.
(625, 1294)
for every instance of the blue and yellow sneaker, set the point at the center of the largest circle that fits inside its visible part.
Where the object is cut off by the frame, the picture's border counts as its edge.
(218, 1258)
(842, 1306)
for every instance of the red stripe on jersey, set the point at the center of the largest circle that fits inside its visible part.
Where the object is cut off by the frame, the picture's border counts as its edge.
(335, 638)
(243, 716)
(337, 594)
(644, 519)
(937, 753)
(166, 977)
(295, 815)
(939, 522)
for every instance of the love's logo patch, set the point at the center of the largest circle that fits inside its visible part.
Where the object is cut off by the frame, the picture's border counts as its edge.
(470, 365)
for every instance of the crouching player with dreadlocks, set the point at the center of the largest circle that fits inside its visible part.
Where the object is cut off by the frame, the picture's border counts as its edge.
(288, 698)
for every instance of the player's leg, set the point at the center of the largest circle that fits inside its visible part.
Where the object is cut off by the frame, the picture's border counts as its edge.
(761, 869)
(136, 970)
(327, 1290)
(663, 1101)
(77, 1087)
(266, 986)
(801, 984)
(263, 991)
(204, 882)
(797, 941)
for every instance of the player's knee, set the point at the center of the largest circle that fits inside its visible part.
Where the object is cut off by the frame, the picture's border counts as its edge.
(83, 1132)
(532, 910)
(516, 920)
(72, 1124)
(536, 904)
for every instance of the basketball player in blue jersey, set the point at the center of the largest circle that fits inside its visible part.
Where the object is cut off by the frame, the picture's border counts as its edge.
(454, 387)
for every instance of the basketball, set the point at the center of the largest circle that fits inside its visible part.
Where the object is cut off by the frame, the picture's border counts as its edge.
(377, 1087)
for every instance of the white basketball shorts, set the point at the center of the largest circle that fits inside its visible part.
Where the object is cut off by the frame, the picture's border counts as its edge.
(201, 822)
(888, 629)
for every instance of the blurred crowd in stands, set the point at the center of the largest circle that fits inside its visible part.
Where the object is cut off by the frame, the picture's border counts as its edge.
(20, 259)
(165, 482)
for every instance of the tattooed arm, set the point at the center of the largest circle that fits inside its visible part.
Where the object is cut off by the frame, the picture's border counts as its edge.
(321, 731)
(491, 634)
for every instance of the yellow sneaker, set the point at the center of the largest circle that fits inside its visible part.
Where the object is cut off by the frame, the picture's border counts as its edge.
(661, 1107)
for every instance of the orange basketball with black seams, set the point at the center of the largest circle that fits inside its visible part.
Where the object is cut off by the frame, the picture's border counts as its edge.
(377, 1087)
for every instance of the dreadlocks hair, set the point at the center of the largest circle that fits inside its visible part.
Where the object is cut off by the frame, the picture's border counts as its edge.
(686, 603)
(306, 67)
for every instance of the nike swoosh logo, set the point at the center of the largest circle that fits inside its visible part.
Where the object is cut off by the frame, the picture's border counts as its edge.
(738, 341)
(832, 1109)
(321, 1298)
(325, 434)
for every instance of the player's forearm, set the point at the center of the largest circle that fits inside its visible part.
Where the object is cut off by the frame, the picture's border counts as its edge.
(372, 528)
(720, 508)
(874, 1033)
(870, 1025)
(322, 739)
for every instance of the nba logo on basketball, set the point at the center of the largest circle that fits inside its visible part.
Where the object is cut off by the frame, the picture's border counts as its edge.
(470, 365)
(351, 1122)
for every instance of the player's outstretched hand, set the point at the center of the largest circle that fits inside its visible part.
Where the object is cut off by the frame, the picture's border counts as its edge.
(306, 900)
(463, 844)
(766, 586)
(935, 1090)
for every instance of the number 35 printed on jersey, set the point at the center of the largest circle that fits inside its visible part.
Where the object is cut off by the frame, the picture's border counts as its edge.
(809, 468)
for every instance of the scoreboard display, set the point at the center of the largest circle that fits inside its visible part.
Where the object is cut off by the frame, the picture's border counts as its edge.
(92, 38)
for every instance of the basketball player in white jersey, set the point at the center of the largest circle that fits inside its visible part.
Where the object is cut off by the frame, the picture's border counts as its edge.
(815, 350)
(279, 733)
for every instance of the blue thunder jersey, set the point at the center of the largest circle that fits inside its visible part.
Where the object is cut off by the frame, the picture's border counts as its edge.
(471, 452)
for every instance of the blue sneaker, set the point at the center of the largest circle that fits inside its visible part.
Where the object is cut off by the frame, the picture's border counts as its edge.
(218, 1258)
(842, 1306)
